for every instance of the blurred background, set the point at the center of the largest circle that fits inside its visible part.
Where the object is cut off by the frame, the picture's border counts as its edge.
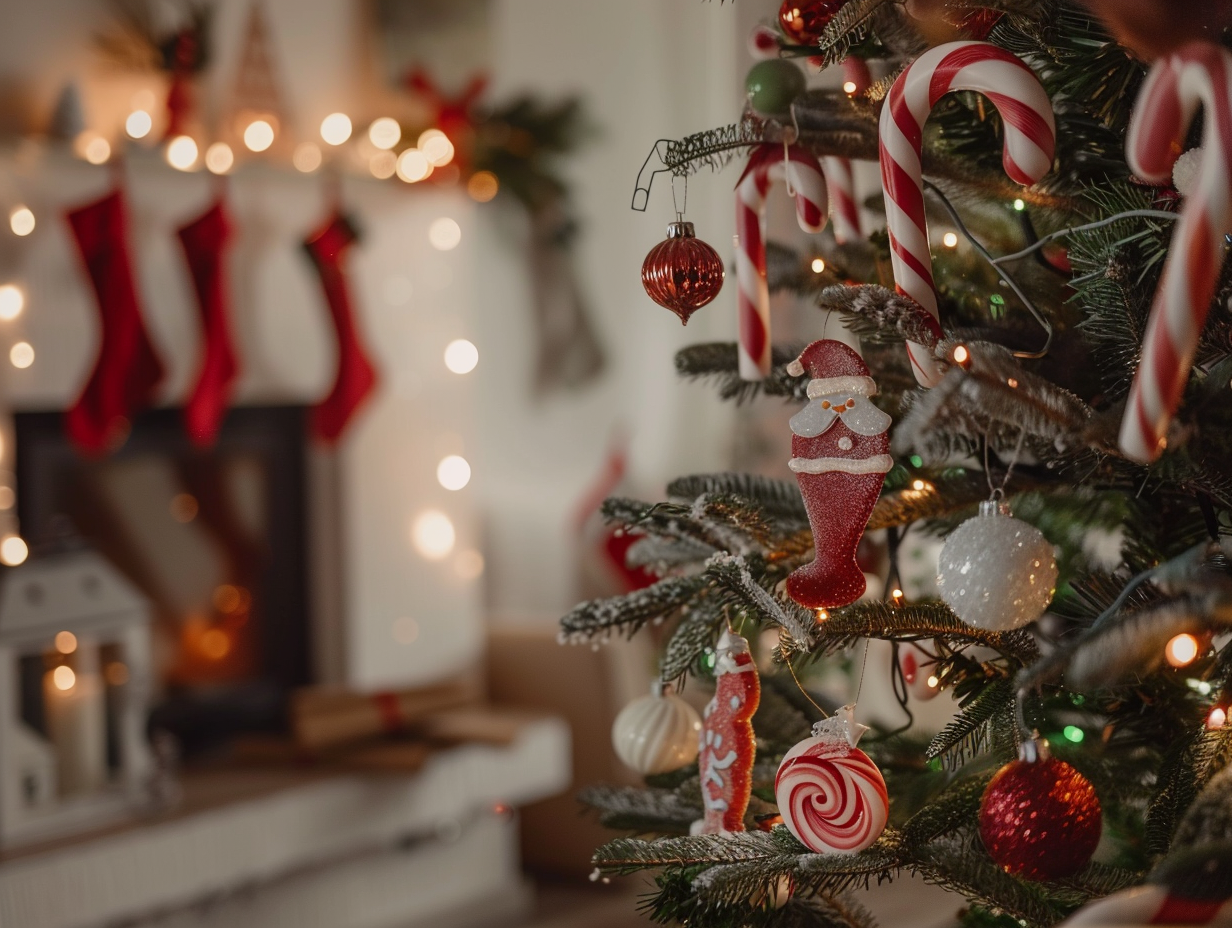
(322, 341)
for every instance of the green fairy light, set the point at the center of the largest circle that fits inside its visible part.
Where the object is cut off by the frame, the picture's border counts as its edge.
(1019, 205)
(1073, 733)
(916, 460)
(996, 305)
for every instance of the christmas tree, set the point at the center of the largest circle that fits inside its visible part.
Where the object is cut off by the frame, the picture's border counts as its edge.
(1056, 371)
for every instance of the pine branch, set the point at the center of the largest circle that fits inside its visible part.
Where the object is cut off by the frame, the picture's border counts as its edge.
(951, 491)
(628, 808)
(847, 28)
(956, 808)
(626, 614)
(881, 315)
(972, 731)
(721, 527)
(732, 574)
(777, 499)
(717, 361)
(696, 631)
(663, 555)
(1186, 769)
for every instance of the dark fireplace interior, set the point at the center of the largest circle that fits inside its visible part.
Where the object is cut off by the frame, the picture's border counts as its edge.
(215, 538)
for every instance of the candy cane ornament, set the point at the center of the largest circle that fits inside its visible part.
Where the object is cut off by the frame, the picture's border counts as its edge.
(1029, 141)
(844, 205)
(1199, 73)
(803, 173)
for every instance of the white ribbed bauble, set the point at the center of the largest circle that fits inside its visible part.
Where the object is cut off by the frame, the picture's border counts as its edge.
(657, 733)
(997, 572)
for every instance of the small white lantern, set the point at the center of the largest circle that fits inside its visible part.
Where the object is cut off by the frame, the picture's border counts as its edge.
(74, 695)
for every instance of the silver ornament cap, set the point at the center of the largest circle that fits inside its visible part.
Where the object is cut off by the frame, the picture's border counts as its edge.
(997, 572)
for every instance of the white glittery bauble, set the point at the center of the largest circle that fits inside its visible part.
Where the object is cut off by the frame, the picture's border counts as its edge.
(657, 733)
(1185, 171)
(997, 572)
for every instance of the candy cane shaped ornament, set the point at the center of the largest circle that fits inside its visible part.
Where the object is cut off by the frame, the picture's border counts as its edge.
(1199, 73)
(766, 164)
(1030, 138)
(844, 206)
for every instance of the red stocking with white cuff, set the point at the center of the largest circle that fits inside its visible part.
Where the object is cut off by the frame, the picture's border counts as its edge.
(356, 377)
(127, 371)
(205, 241)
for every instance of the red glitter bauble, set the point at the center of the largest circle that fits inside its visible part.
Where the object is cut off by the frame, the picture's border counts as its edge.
(1040, 819)
(682, 273)
(805, 20)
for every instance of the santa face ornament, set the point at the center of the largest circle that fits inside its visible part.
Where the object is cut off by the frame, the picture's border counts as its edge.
(840, 449)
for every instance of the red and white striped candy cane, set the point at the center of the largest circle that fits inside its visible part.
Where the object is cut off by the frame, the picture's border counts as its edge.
(1198, 73)
(844, 206)
(766, 164)
(1030, 137)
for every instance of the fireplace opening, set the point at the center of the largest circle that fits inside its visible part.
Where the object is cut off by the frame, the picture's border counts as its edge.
(215, 538)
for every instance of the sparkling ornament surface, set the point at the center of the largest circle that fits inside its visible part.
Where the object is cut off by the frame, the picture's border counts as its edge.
(656, 733)
(830, 794)
(682, 273)
(772, 85)
(997, 572)
(803, 21)
(1040, 819)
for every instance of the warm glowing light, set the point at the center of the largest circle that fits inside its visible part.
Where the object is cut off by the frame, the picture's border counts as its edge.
(961, 354)
(63, 678)
(932, 682)
(219, 158)
(92, 147)
(12, 302)
(896, 594)
(228, 598)
(482, 186)
(453, 473)
(184, 507)
(1019, 205)
(469, 564)
(182, 153)
(461, 356)
(1181, 650)
(8, 499)
(13, 551)
(406, 630)
(259, 135)
(307, 157)
(818, 265)
(433, 535)
(383, 164)
(413, 166)
(949, 240)
(336, 128)
(918, 484)
(849, 87)
(384, 133)
(436, 147)
(215, 644)
(138, 124)
(1217, 718)
(21, 355)
(66, 642)
(444, 234)
(822, 616)
(116, 673)
(21, 220)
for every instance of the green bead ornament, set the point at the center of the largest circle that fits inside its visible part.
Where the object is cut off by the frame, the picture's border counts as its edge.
(772, 85)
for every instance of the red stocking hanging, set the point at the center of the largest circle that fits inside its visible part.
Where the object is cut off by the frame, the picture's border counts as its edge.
(356, 377)
(205, 242)
(127, 371)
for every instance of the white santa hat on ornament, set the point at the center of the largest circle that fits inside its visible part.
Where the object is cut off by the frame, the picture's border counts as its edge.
(833, 367)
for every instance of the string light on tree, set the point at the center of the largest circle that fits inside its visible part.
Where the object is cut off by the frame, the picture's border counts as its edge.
(818, 265)
(13, 551)
(336, 128)
(259, 136)
(21, 220)
(384, 133)
(1182, 650)
(445, 234)
(436, 147)
(12, 302)
(949, 240)
(413, 166)
(1216, 719)
(453, 472)
(21, 355)
(182, 153)
(483, 186)
(433, 535)
(138, 124)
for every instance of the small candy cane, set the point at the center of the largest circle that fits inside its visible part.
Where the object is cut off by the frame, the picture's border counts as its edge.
(845, 206)
(1030, 137)
(802, 171)
(1199, 73)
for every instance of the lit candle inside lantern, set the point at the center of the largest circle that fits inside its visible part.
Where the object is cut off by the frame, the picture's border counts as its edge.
(76, 722)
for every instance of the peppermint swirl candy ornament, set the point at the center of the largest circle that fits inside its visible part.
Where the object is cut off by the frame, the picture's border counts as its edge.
(830, 793)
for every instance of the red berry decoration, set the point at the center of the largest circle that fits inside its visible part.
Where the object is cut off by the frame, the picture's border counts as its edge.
(805, 20)
(1040, 818)
(682, 273)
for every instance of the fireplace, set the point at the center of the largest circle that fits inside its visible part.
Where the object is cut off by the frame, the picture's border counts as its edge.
(216, 538)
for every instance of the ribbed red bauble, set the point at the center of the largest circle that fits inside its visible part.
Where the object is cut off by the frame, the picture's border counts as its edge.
(1040, 819)
(682, 273)
(805, 20)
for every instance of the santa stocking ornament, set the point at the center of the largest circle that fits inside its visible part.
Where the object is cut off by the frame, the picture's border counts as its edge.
(356, 377)
(127, 371)
(840, 456)
(205, 242)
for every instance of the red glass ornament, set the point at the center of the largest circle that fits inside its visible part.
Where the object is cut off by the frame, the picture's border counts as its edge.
(805, 20)
(682, 273)
(1040, 819)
